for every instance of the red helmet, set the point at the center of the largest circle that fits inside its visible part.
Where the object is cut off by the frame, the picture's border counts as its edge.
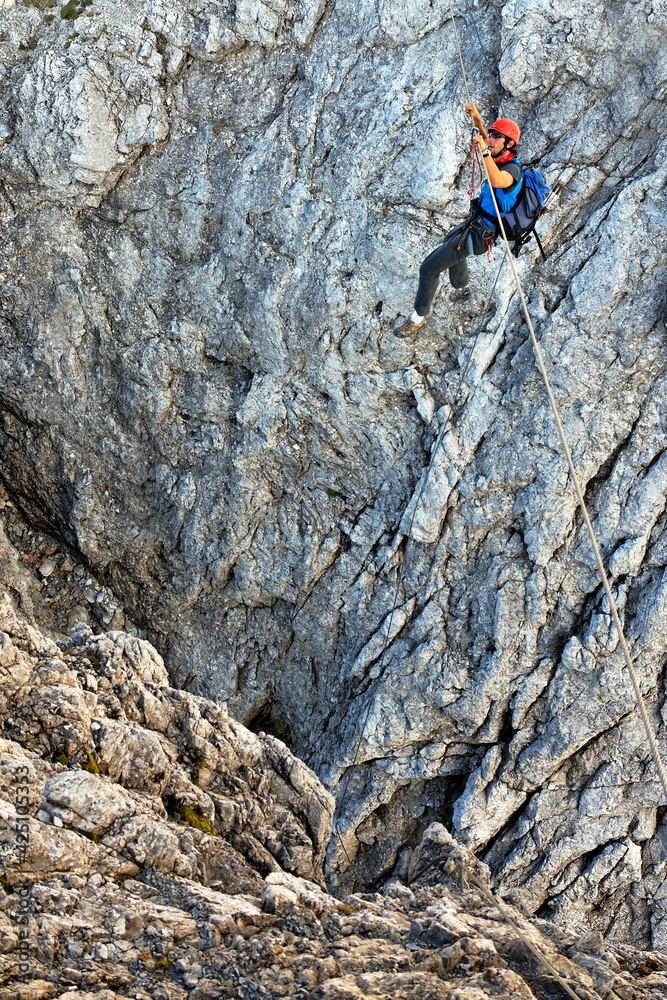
(508, 128)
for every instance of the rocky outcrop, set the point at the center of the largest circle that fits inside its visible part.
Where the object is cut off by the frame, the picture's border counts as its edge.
(212, 215)
(154, 849)
(111, 759)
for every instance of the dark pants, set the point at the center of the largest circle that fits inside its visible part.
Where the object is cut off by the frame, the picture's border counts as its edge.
(452, 254)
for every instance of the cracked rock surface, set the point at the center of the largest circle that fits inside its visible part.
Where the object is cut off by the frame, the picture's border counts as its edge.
(154, 849)
(120, 756)
(212, 216)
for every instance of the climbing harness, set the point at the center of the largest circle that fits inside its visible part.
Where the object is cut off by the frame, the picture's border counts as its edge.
(465, 234)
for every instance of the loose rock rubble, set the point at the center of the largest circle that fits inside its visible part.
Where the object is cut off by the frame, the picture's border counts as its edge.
(213, 214)
(50, 585)
(119, 756)
(155, 849)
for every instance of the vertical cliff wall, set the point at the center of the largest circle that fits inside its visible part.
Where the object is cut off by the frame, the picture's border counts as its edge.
(212, 216)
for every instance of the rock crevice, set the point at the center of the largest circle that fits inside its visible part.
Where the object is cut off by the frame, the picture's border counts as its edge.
(212, 217)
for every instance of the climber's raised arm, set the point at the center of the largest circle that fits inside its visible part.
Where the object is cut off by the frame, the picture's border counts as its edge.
(477, 121)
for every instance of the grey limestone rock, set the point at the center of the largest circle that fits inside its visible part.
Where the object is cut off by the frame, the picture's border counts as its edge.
(105, 894)
(212, 216)
(133, 760)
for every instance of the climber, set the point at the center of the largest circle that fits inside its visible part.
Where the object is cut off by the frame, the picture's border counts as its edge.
(478, 232)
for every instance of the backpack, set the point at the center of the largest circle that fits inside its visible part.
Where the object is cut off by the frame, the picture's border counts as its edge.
(519, 222)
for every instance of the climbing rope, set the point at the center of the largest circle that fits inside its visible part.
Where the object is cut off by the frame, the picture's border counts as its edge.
(509, 919)
(456, 36)
(580, 498)
(499, 905)
(542, 959)
(582, 504)
(539, 955)
(485, 54)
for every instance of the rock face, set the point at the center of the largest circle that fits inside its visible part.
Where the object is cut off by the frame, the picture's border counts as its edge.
(212, 215)
(49, 586)
(115, 756)
(154, 849)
